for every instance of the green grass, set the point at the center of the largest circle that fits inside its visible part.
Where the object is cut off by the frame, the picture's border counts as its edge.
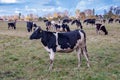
(23, 59)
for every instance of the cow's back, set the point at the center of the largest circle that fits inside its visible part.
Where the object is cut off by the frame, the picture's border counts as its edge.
(69, 39)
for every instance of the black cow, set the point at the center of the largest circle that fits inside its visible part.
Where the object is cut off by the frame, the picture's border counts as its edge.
(12, 24)
(100, 27)
(45, 20)
(90, 21)
(78, 23)
(66, 21)
(62, 42)
(29, 26)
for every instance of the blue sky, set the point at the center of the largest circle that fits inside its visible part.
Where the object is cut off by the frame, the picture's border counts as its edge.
(42, 7)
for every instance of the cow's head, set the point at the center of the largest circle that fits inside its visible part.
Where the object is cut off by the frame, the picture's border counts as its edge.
(37, 34)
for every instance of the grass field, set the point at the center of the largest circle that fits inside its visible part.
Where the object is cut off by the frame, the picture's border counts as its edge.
(23, 59)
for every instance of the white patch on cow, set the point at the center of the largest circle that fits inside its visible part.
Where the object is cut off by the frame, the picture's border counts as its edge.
(82, 36)
(58, 48)
(36, 28)
(80, 42)
(47, 49)
(52, 54)
(56, 34)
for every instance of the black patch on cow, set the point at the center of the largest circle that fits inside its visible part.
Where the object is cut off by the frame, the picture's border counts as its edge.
(49, 40)
(69, 39)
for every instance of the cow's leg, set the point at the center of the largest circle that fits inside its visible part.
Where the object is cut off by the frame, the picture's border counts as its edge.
(14, 27)
(86, 55)
(52, 54)
(79, 57)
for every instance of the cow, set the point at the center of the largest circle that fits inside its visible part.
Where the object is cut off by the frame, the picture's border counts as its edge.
(45, 20)
(104, 20)
(62, 42)
(117, 20)
(62, 28)
(100, 27)
(65, 28)
(29, 26)
(78, 23)
(48, 24)
(90, 21)
(110, 20)
(57, 26)
(12, 24)
(66, 21)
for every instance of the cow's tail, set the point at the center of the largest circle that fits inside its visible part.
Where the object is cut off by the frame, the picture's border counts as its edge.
(84, 35)
(85, 46)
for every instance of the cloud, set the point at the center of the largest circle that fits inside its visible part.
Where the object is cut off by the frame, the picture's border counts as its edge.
(51, 3)
(8, 1)
(98, 5)
(82, 5)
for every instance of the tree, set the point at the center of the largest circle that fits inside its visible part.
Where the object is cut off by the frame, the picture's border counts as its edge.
(113, 12)
(77, 12)
(19, 16)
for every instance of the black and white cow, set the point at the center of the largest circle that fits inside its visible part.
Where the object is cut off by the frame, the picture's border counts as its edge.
(48, 25)
(62, 42)
(117, 20)
(30, 26)
(78, 23)
(110, 20)
(100, 27)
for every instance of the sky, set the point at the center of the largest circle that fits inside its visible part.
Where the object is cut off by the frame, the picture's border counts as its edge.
(43, 7)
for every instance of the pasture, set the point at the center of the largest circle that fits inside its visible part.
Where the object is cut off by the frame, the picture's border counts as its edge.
(23, 59)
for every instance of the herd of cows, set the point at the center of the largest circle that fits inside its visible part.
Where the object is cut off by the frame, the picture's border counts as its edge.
(62, 25)
(66, 41)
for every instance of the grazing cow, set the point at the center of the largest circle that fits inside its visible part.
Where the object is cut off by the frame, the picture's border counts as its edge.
(90, 21)
(62, 42)
(100, 27)
(12, 24)
(78, 23)
(110, 20)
